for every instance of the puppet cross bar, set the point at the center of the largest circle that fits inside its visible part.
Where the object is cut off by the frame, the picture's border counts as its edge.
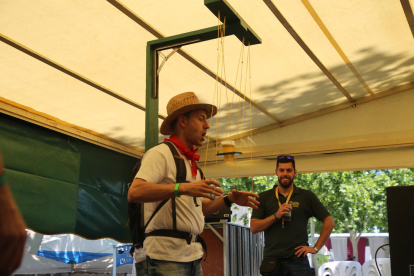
(235, 25)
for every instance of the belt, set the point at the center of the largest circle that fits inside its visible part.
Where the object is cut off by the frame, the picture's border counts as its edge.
(189, 237)
(287, 260)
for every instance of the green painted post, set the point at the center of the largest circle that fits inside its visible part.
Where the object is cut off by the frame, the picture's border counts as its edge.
(151, 106)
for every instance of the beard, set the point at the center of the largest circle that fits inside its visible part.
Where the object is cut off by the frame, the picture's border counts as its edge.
(284, 184)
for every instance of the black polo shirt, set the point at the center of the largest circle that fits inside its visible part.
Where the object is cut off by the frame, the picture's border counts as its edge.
(281, 242)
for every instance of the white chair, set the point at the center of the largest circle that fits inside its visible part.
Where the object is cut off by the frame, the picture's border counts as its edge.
(349, 268)
(369, 268)
(329, 269)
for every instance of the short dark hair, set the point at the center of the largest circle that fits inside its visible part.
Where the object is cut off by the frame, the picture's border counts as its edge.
(285, 159)
(173, 124)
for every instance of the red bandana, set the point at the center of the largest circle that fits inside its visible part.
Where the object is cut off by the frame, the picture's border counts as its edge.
(190, 154)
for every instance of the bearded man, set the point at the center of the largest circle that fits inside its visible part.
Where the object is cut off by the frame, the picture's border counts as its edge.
(283, 215)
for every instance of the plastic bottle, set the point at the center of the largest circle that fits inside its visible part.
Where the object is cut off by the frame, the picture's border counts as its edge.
(331, 256)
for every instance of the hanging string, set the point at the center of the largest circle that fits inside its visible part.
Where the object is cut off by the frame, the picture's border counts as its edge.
(251, 116)
(217, 97)
(239, 104)
(235, 82)
(221, 28)
(244, 100)
(215, 88)
(222, 79)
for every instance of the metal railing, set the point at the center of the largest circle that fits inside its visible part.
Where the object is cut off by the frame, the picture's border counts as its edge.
(243, 250)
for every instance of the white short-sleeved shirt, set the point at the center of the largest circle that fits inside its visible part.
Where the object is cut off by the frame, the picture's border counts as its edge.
(158, 166)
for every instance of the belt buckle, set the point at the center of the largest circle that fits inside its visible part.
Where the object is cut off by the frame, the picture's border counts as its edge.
(191, 238)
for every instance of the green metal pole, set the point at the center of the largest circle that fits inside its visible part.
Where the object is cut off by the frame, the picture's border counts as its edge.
(151, 113)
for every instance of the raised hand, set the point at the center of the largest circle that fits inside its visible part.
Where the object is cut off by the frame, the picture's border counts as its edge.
(202, 188)
(244, 198)
(283, 210)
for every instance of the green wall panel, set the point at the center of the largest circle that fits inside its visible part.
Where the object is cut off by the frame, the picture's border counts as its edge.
(25, 153)
(48, 206)
(94, 223)
(65, 185)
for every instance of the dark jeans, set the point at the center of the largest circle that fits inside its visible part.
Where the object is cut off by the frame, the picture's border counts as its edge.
(151, 267)
(299, 267)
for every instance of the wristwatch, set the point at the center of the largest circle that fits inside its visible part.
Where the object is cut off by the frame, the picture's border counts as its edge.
(316, 249)
(227, 200)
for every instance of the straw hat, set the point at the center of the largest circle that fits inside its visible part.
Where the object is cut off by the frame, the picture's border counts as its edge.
(182, 104)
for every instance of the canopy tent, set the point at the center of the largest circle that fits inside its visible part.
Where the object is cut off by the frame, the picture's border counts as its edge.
(331, 83)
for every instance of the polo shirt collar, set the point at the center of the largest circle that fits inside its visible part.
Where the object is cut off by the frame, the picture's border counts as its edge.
(295, 188)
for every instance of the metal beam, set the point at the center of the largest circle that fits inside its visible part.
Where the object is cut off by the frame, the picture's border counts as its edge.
(408, 14)
(307, 50)
(246, 33)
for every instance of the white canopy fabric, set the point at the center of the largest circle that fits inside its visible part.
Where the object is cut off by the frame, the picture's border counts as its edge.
(332, 82)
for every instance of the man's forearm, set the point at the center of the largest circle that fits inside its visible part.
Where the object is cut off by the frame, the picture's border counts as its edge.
(142, 191)
(259, 225)
(212, 206)
(327, 227)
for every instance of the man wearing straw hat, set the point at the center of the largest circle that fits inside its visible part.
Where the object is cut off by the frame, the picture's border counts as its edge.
(156, 181)
(283, 215)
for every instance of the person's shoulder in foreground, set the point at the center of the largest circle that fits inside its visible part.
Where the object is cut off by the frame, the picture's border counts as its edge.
(12, 228)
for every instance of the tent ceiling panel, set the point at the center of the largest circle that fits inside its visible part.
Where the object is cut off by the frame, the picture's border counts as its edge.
(379, 124)
(275, 88)
(91, 38)
(374, 36)
(346, 161)
(305, 27)
(34, 84)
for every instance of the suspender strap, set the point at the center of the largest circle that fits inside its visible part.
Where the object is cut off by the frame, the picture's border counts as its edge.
(181, 176)
(201, 172)
(155, 212)
(174, 213)
(181, 170)
(179, 163)
(202, 178)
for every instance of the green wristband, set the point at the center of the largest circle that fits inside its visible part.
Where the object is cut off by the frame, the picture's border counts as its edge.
(176, 190)
(2, 179)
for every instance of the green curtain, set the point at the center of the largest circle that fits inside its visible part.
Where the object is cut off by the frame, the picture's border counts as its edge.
(65, 185)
